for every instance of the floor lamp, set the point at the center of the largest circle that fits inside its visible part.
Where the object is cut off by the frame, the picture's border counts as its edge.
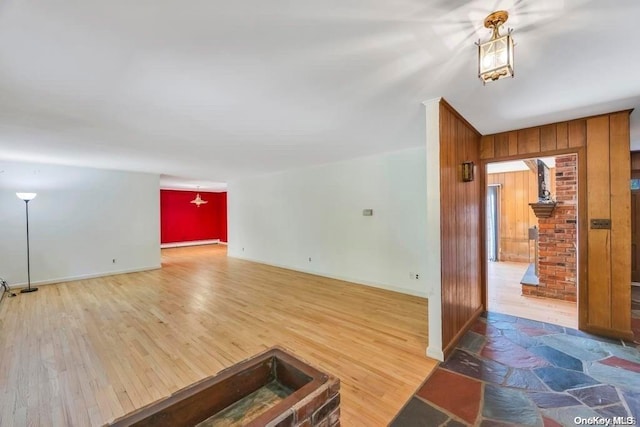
(27, 197)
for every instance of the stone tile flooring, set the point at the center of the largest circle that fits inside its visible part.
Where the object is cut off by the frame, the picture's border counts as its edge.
(512, 371)
(635, 312)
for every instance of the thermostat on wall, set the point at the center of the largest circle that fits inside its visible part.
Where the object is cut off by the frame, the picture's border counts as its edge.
(367, 212)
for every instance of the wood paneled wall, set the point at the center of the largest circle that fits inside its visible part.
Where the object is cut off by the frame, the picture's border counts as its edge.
(604, 264)
(635, 161)
(609, 196)
(460, 227)
(517, 190)
(534, 141)
(635, 219)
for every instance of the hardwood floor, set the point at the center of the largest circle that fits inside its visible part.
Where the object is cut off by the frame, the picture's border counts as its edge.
(505, 296)
(83, 353)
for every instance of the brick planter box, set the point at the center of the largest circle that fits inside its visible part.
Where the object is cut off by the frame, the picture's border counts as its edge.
(270, 389)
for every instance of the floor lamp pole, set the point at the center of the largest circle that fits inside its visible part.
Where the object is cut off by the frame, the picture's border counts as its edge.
(27, 197)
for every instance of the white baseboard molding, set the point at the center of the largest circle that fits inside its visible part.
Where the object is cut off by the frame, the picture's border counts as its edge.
(342, 278)
(190, 243)
(82, 277)
(222, 243)
(435, 353)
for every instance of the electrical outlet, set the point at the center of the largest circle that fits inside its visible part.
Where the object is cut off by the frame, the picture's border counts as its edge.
(417, 276)
(410, 275)
(113, 261)
(309, 259)
(242, 249)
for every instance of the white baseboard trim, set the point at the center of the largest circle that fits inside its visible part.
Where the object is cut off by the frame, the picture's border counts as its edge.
(222, 243)
(83, 277)
(190, 243)
(435, 353)
(342, 278)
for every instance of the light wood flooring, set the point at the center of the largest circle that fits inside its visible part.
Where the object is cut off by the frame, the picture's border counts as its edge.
(83, 353)
(505, 296)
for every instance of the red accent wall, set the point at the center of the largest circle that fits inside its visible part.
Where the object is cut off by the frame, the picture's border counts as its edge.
(182, 221)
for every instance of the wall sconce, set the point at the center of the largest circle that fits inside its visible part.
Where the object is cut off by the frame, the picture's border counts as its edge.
(467, 171)
(495, 57)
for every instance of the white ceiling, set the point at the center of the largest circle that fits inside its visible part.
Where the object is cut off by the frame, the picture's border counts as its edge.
(169, 182)
(216, 90)
(517, 165)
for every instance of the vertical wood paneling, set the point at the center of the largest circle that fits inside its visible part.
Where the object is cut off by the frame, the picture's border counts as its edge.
(548, 138)
(635, 160)
(457, 191)
(620, 220)
(602, 144)
(446, 168)
(535, 141)
(583, 241)
(529, 141)
(513, 143)
(502, 145)
(510, 182)
(475, 232)
(465, 284)
(517, 190)
(562, 136)
(521, 214)
(552, 172)
(460, 227)
(452, 249)
(486, 147)
(598, 206)
(533, 197)
(577, 131)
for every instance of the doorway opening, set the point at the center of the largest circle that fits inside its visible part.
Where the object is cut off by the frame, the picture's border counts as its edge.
(532, 238)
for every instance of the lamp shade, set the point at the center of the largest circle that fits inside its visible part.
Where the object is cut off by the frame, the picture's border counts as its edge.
(26, 196)
(495, 57)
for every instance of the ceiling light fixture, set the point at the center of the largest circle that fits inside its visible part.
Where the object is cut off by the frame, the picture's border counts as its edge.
(198, 200)
(495, 57)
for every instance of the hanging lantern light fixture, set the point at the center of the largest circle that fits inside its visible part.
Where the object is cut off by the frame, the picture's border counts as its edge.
(198, 200)
(495, 57)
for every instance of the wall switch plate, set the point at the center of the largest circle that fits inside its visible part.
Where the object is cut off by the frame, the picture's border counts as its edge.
(367, 212)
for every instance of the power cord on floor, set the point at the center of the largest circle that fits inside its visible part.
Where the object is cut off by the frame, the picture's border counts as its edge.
(5, 288)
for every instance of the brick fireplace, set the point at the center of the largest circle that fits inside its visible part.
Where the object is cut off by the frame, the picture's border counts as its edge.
(557, 238)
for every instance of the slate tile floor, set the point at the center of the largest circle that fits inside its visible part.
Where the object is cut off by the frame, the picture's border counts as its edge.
(512, 371)
(635, 312)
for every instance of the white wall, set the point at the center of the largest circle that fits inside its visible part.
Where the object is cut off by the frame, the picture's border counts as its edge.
(80, 221)
(432, 138)
(286, 218)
